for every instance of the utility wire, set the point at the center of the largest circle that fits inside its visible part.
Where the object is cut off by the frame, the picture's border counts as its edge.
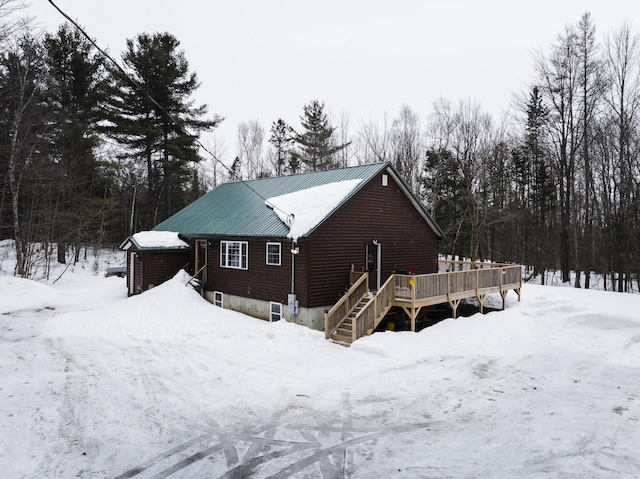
(162, 108)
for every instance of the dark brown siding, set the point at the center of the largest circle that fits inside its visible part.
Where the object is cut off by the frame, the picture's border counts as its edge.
(381, 213)
(160, 266)
(322, 267)
(260, 281)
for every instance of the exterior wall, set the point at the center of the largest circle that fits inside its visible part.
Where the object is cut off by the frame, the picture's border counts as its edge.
(377, 212)
(158, 266)
(260, 281)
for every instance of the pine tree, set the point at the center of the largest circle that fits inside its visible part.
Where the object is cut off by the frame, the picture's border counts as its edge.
(316, 145)
(442, 186)
(75, 79)
(283, 137)
(540, 198)
(155, 120)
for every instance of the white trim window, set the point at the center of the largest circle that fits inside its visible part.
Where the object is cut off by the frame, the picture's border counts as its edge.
(274, 254)
(275, 311)
(233, 254)
(218, 298)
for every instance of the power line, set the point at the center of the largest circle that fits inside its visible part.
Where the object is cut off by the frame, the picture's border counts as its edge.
(159, 106)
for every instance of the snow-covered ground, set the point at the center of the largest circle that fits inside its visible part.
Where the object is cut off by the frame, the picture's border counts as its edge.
(94, 385)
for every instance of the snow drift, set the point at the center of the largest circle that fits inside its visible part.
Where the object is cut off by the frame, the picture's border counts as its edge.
(164, 384)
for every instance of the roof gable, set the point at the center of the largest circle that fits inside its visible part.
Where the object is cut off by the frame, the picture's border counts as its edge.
(247, 208)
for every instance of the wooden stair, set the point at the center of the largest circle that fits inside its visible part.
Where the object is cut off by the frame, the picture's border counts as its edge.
(343, 335)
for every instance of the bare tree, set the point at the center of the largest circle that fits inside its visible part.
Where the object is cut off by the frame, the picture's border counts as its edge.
(373, 142)
(11, 19)
(21, 94)
(212, 167)
(342, 135)
(558, 77)
(250, 143)
(471, 142)
(623, 100)
(460, 147)
(407, 148)
(591, 91)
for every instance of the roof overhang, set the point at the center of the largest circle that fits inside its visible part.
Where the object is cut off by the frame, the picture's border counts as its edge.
(154, 241)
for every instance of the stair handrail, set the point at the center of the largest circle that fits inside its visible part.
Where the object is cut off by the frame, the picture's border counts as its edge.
(195, 275)
(379, 310)
(339, 311)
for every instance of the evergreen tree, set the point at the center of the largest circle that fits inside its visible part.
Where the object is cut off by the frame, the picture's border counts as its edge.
(283, 137)
(316, 145)
(155, 120)
(536, 153)
(442, 188)
(541, 191)
(75, 80)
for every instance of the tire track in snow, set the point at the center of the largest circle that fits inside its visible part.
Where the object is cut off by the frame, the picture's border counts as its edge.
(279, 449)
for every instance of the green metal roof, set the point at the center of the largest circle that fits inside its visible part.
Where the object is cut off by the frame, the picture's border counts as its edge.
(239, 209)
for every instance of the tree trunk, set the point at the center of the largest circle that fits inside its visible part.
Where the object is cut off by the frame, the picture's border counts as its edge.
(61, 253)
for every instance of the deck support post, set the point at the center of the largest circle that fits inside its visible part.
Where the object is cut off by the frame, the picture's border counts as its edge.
(504, 298)
(454, 307)
(480, 297)
(413, 314)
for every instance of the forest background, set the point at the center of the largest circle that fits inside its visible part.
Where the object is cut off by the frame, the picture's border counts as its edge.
(91, 153)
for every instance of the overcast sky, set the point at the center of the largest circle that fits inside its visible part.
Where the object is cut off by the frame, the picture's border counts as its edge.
(265, 59)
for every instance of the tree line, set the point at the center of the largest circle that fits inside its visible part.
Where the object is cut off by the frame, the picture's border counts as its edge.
(91, 155)
(91, 152)
(554, 184)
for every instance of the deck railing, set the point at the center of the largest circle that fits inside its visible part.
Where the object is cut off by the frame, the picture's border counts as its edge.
(456, 283)
(448, 265)
(415, 291)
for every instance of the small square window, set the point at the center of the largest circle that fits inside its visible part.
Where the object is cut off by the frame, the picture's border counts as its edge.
(218, 299)
(275, 311)
(274, 254)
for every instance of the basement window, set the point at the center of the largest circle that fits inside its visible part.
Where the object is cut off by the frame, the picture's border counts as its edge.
(233, 254)
(276, 311)
(274, 254)
(218, 299)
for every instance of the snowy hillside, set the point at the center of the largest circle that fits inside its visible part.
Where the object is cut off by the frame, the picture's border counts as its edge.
(94, 385)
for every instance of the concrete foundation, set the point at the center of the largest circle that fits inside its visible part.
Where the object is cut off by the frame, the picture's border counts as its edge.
(310, 317)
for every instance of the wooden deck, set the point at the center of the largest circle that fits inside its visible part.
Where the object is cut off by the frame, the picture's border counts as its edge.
(360, 310)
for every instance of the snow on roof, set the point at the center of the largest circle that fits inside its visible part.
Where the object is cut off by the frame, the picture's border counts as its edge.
(303, 210)
(158, 239)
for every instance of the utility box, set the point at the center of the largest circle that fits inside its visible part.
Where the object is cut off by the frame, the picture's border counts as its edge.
(294, 307)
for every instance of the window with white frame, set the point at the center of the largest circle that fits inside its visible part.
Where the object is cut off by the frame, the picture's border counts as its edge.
(218, 298)
(275, 311)
(274, 254)
(233, 254)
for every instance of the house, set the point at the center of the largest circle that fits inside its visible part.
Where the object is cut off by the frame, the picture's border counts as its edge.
(284, 247)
